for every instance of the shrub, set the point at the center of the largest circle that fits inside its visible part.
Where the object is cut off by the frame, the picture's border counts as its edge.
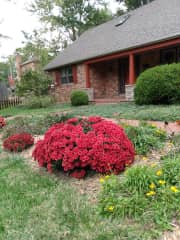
(79, 98)
(18, 142)
(35, 82)
(2, 122)
(33, 102)
(145, 137)
(159, 85)
(82, 144)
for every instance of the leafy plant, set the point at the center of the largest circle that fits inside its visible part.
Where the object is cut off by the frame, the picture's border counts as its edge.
(18, 142)
(82, 144)
(145, 137)
(34, 82)
(79, 98)
(33, 102)
(159, 85)
(35, 125)
(144, 194)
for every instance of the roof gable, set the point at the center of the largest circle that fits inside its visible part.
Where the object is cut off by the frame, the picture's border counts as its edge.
(153, 22)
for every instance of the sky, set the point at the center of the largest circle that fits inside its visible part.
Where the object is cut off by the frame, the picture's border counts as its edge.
(14, 18)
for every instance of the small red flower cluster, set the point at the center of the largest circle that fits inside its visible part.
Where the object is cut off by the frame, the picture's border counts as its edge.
(2, 122)
(88, 143)
(18, 142)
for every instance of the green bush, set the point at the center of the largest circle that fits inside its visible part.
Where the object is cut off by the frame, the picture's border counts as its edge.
(33, 102)
(33, 82)
(79, 98)
(159, 85)
(145, 137)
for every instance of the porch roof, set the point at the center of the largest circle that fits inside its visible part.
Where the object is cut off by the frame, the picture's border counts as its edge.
(154, 22)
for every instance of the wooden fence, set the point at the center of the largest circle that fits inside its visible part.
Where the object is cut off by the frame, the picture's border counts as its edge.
(11, 102)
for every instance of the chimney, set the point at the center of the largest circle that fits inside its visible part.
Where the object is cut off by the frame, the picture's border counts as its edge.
(18, 61)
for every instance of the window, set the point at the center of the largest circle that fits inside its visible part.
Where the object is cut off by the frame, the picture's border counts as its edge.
(66, 75)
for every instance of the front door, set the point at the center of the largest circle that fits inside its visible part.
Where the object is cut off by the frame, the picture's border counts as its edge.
(123, 74)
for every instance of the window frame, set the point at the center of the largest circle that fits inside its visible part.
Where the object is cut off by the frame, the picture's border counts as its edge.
(66, 74)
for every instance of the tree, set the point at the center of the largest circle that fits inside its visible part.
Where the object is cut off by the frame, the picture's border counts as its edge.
(4, 71)
(34, 82)
(36, 46)
(132, 4)
(71, 17)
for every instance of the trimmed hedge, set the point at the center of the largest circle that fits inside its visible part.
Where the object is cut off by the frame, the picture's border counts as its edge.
(159, 85)
(79, 98)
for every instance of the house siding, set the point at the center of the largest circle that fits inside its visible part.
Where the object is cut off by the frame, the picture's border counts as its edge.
(62, 92)
(104, 79)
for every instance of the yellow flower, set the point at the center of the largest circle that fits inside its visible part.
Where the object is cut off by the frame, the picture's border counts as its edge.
(159, 172)
(170, 144)
(152, 186)
(151, 193)
(107, 177)
(101, 180)
(174, 189)
(144, 158)
(153, 125)
(110, 208)
(161, 182)
(153, 164)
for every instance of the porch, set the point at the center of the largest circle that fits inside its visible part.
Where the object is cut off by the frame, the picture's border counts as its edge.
(112, 78)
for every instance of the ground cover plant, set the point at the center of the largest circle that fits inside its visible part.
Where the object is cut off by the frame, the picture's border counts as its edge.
(145, 137)
(79, 145)
(35, 125)
(146, 194)
(18, 142)
(122, 110)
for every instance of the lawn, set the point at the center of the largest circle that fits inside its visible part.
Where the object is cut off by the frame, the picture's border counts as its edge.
(36, 205)
(121, 110)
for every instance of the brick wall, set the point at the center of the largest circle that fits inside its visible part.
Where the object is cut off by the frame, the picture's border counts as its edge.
(104, 79)
(62, 92)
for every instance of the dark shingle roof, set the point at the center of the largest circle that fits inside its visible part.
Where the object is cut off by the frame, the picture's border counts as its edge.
(156, 21)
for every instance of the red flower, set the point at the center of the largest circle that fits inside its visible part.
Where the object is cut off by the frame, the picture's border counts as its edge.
(18, 142)
(2, 122)
(92, 143)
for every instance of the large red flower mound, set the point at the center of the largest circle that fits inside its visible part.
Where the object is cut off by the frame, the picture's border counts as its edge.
(18, 142)
(2, 122)
(81, 144)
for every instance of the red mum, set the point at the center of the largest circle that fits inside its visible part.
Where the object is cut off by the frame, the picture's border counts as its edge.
(18, 142)
(2, 122)
(81, 144)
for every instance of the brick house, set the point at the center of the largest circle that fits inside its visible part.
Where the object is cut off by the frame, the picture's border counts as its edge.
(106, 60)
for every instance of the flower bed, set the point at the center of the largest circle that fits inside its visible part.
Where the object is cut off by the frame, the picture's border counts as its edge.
(18, 142)
(81, 144)
(2, 122)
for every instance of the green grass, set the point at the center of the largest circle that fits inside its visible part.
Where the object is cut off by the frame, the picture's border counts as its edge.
(21, 110)
(122, 110)
(36, 205)
(128, 196)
